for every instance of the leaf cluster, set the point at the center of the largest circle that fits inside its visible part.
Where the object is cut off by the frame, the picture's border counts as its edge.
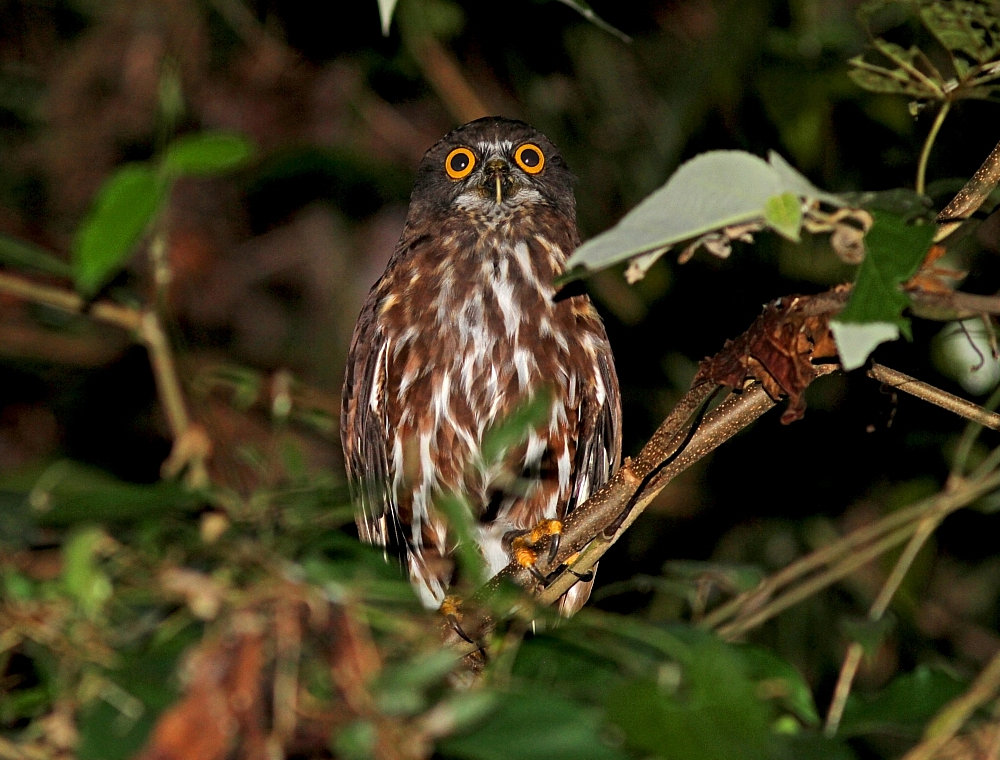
(966, 33)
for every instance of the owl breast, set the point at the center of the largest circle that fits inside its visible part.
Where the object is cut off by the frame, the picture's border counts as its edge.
(470, 337)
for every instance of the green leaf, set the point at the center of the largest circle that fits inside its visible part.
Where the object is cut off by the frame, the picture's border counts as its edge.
(356, 740)
(463, 528)
(783, 214)
(401, 689)
(67, 492)
(82, 574)
(23, 255)
(710, 192)
(894, 251)
(125, 206)
(385, 11)
(205, 154)
(856, 341)
(572, 661)
(131, 696)
(714, 713)
(905, 78)
(533, 726)
(514, 428)
(967, 28)
(903, 706)
(779, 678)
(731, 576)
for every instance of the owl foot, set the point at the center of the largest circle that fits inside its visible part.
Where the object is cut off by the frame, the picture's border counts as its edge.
(525, 547)
(585, 577)
(451, 608)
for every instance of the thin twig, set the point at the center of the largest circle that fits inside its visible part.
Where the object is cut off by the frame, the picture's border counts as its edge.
(961, 407)
(852, 660)
(826, 555)
(842, 558)
(584, 10)
(125, 317)
(445, 76)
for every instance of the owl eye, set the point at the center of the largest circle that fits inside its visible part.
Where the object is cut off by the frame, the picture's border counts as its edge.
(459, 163)
(530, 158)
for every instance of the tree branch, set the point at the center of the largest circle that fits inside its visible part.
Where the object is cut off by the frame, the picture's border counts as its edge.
(190, 444)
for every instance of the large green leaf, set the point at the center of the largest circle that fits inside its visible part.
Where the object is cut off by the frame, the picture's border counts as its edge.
(894, 250)
(125, 206)
(140, 686)
(712, 191)
(68, 492)
(714, 713)
(904, 706)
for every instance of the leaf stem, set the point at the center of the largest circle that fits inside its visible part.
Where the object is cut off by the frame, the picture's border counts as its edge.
(928, 144)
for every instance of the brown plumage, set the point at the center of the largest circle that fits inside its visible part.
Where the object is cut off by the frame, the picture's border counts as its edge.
(463, 327)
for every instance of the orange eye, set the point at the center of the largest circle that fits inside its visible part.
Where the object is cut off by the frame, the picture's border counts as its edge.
(459, 163)
(530, 158)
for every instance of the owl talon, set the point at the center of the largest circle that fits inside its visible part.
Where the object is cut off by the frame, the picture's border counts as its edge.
(451, 609)
(554, 545)
(584, 577)
(524, 546)
(537, 575)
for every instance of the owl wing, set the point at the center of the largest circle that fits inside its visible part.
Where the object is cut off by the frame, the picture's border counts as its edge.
(597, 456)
(365, 437)
(599, 445)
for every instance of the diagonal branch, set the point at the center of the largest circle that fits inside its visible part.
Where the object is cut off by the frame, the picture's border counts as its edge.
(780, 355)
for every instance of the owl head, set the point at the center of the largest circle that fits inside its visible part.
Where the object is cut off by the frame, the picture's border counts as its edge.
(493, 166)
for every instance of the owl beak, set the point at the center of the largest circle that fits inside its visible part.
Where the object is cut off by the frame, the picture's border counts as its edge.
(498, 178)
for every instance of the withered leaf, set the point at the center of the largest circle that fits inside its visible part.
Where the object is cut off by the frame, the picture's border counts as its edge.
(779, 351)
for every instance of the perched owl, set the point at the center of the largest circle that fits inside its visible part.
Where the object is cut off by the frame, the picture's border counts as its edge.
(465, 326)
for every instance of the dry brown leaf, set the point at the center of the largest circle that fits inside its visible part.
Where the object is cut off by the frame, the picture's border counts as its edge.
(778, 351)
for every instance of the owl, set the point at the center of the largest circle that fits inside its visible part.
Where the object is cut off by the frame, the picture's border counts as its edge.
(466, 325)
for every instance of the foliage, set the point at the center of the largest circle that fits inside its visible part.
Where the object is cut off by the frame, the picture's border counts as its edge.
(204, 614)
(131, 200)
